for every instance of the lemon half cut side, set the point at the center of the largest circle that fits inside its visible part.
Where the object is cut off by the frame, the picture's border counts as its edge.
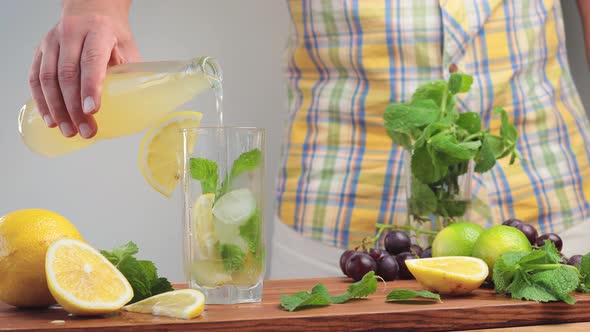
(83, 281)
(451, 275)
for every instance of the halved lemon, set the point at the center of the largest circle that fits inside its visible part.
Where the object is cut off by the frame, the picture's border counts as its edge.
(83, 281)
(452, 275)
(161, 152)
(183, 303)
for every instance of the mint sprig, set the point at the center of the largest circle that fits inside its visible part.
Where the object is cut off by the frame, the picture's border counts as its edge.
(141, 274)
(364, 287)
(443, 142)
(408, 294)
(319, 295)
(536, 276)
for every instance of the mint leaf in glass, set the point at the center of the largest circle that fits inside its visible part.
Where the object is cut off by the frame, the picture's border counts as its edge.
(232, 256)
(247, 161)
(204, 171)
(250, 231)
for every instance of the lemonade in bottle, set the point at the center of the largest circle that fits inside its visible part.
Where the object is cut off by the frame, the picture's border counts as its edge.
(134, 97)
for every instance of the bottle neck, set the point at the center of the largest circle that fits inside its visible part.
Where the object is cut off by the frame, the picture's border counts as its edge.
(210, 67)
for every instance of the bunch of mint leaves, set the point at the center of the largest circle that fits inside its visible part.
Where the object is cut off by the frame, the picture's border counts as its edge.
(443, 142)
(539, 276)
(206, 172)
(141, 274)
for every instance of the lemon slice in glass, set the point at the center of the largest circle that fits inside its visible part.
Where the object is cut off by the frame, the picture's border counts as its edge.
(160, 155)
(203, 227)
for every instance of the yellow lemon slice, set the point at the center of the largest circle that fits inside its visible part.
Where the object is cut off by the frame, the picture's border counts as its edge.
(83, 281)
(184, 303)
(203, 229)
(161, 152)
(453, 275)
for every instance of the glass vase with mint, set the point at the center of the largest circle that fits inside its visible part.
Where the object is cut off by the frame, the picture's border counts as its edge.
(443, 148)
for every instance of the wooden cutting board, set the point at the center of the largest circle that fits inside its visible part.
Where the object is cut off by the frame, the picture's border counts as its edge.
(480, 310)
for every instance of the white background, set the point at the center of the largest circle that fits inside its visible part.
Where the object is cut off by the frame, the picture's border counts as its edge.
(100, 189)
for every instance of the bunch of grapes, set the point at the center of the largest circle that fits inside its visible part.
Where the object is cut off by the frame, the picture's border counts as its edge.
(388, 263)
(538, 241)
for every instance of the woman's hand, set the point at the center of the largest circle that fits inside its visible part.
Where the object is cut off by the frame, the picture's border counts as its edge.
(70, 64)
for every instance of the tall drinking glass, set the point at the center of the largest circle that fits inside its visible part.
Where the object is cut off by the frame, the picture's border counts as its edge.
(222, 182)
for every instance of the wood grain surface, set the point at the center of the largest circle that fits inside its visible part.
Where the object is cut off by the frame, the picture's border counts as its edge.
(568, 327)
(481, 310)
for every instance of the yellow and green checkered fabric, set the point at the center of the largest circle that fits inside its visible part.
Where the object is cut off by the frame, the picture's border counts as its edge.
(348, 59)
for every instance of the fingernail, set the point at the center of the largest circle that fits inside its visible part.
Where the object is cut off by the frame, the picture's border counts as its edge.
(85, 130)
(66, 129)
(88, 105)
(48, 120)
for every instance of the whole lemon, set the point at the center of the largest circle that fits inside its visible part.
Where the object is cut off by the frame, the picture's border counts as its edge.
(498, 240)
(456, 239)
(25, 236)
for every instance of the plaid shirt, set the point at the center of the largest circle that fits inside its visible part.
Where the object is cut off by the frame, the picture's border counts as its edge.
(348, 59)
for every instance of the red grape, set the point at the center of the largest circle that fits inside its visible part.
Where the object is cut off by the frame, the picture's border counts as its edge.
(397, 241)
(387, 268)
(551, 237)
(564, 259)
(360, 264)
(529, 231)
(404, 273)
(416, 250)
(344, 258)
(575, 260)
(427, 253)
(376, 254)
(512, 222)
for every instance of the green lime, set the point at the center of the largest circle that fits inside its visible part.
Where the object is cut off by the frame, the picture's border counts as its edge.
(456, 239)
(498, 240)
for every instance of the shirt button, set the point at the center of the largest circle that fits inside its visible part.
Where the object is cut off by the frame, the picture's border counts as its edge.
(453, 68)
